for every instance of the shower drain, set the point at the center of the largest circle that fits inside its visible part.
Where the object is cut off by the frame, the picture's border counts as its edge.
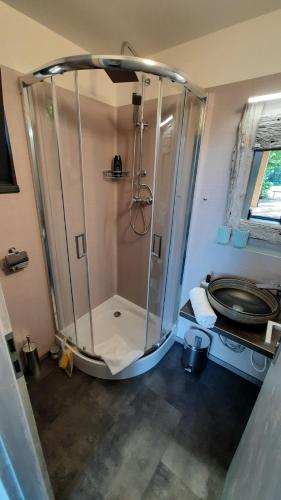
(116, 314)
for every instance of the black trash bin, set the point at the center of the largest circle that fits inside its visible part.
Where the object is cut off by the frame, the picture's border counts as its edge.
(195, 350)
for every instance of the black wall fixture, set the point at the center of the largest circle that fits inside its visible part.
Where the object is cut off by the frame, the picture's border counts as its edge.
(8, 181)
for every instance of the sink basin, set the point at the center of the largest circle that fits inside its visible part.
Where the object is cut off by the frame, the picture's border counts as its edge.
(240, 300)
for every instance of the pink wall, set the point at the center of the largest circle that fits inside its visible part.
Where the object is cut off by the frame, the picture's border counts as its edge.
(26, 292)
(98, 124)
(133, 250)
(204, 254)
(99, 146)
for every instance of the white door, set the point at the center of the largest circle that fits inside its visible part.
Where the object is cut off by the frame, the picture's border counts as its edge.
(255, 471)
(23, 473)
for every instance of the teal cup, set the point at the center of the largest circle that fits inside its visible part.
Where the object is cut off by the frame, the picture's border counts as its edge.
(240, 238)
(223, 236)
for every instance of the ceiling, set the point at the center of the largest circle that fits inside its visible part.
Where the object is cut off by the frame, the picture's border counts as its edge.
(99, 26)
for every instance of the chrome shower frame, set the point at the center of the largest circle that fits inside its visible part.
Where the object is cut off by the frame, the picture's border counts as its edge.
(121, 63)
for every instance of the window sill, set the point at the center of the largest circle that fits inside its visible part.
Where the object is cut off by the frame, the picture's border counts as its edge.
(9, 188)
(270, 250)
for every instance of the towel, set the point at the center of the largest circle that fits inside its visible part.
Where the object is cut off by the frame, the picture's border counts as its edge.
(204, 314)
(117, 353)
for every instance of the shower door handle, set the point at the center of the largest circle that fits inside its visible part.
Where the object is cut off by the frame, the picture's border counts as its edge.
(156, 245)
(81, 248)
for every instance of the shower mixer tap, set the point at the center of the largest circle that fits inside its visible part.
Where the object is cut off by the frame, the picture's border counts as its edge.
(142, 124)
(142, 173)
(141, 201)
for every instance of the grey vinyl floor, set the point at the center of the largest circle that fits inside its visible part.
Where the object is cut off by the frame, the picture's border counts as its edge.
(163, 435)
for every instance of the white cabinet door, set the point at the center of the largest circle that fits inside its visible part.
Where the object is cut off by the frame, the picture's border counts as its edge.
(255, 471)
(23, 473)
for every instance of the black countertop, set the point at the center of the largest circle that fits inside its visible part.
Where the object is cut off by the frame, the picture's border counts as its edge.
(250, 336)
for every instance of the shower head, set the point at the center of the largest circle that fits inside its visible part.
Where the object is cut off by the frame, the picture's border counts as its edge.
(121, 76)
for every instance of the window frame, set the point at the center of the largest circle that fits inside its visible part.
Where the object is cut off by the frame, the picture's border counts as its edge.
(253, 178)
(242, 160)
(10, 186)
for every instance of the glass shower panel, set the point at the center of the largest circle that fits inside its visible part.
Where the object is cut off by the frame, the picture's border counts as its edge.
(187, 164)
(98, 130)
(44, 149)
(136, 127)
(67, 120)
(171, 116)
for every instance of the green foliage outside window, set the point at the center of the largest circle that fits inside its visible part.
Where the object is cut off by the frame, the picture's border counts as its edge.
(272, 176)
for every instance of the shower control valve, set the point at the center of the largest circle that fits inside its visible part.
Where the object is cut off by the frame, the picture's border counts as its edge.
(141, 201)
(142, 124)
(142, 173)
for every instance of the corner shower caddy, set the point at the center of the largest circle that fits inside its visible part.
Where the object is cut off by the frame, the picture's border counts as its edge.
(110, 175)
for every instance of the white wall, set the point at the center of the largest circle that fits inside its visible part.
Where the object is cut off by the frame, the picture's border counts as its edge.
(204, 255)
(245, 50)
(240, 362)
(26, 292)
(240, 52)
(26, 44)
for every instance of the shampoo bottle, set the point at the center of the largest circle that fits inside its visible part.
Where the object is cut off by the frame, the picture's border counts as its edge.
(117, 166)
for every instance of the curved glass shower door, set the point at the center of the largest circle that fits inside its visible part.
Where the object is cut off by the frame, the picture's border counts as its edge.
(170, 117)
(115, 243)
(118, 242)
(179, 118)
(67, 122)
(49, 189)
(54, 116)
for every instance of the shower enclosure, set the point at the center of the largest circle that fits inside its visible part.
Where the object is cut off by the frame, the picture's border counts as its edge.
(114, 239)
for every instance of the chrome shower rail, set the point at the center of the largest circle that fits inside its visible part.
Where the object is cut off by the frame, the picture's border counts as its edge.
(108, 62)
(127, 45)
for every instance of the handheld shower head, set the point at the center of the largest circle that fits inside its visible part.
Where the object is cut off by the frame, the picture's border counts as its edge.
(136, 101)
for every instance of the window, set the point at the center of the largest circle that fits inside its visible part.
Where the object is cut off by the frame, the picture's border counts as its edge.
(263, 200)
(254, 194)
(8, 183)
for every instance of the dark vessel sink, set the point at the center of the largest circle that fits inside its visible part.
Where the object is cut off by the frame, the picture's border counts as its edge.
(240, 300)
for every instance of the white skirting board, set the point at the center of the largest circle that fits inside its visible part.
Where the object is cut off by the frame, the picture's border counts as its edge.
(239, 363)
